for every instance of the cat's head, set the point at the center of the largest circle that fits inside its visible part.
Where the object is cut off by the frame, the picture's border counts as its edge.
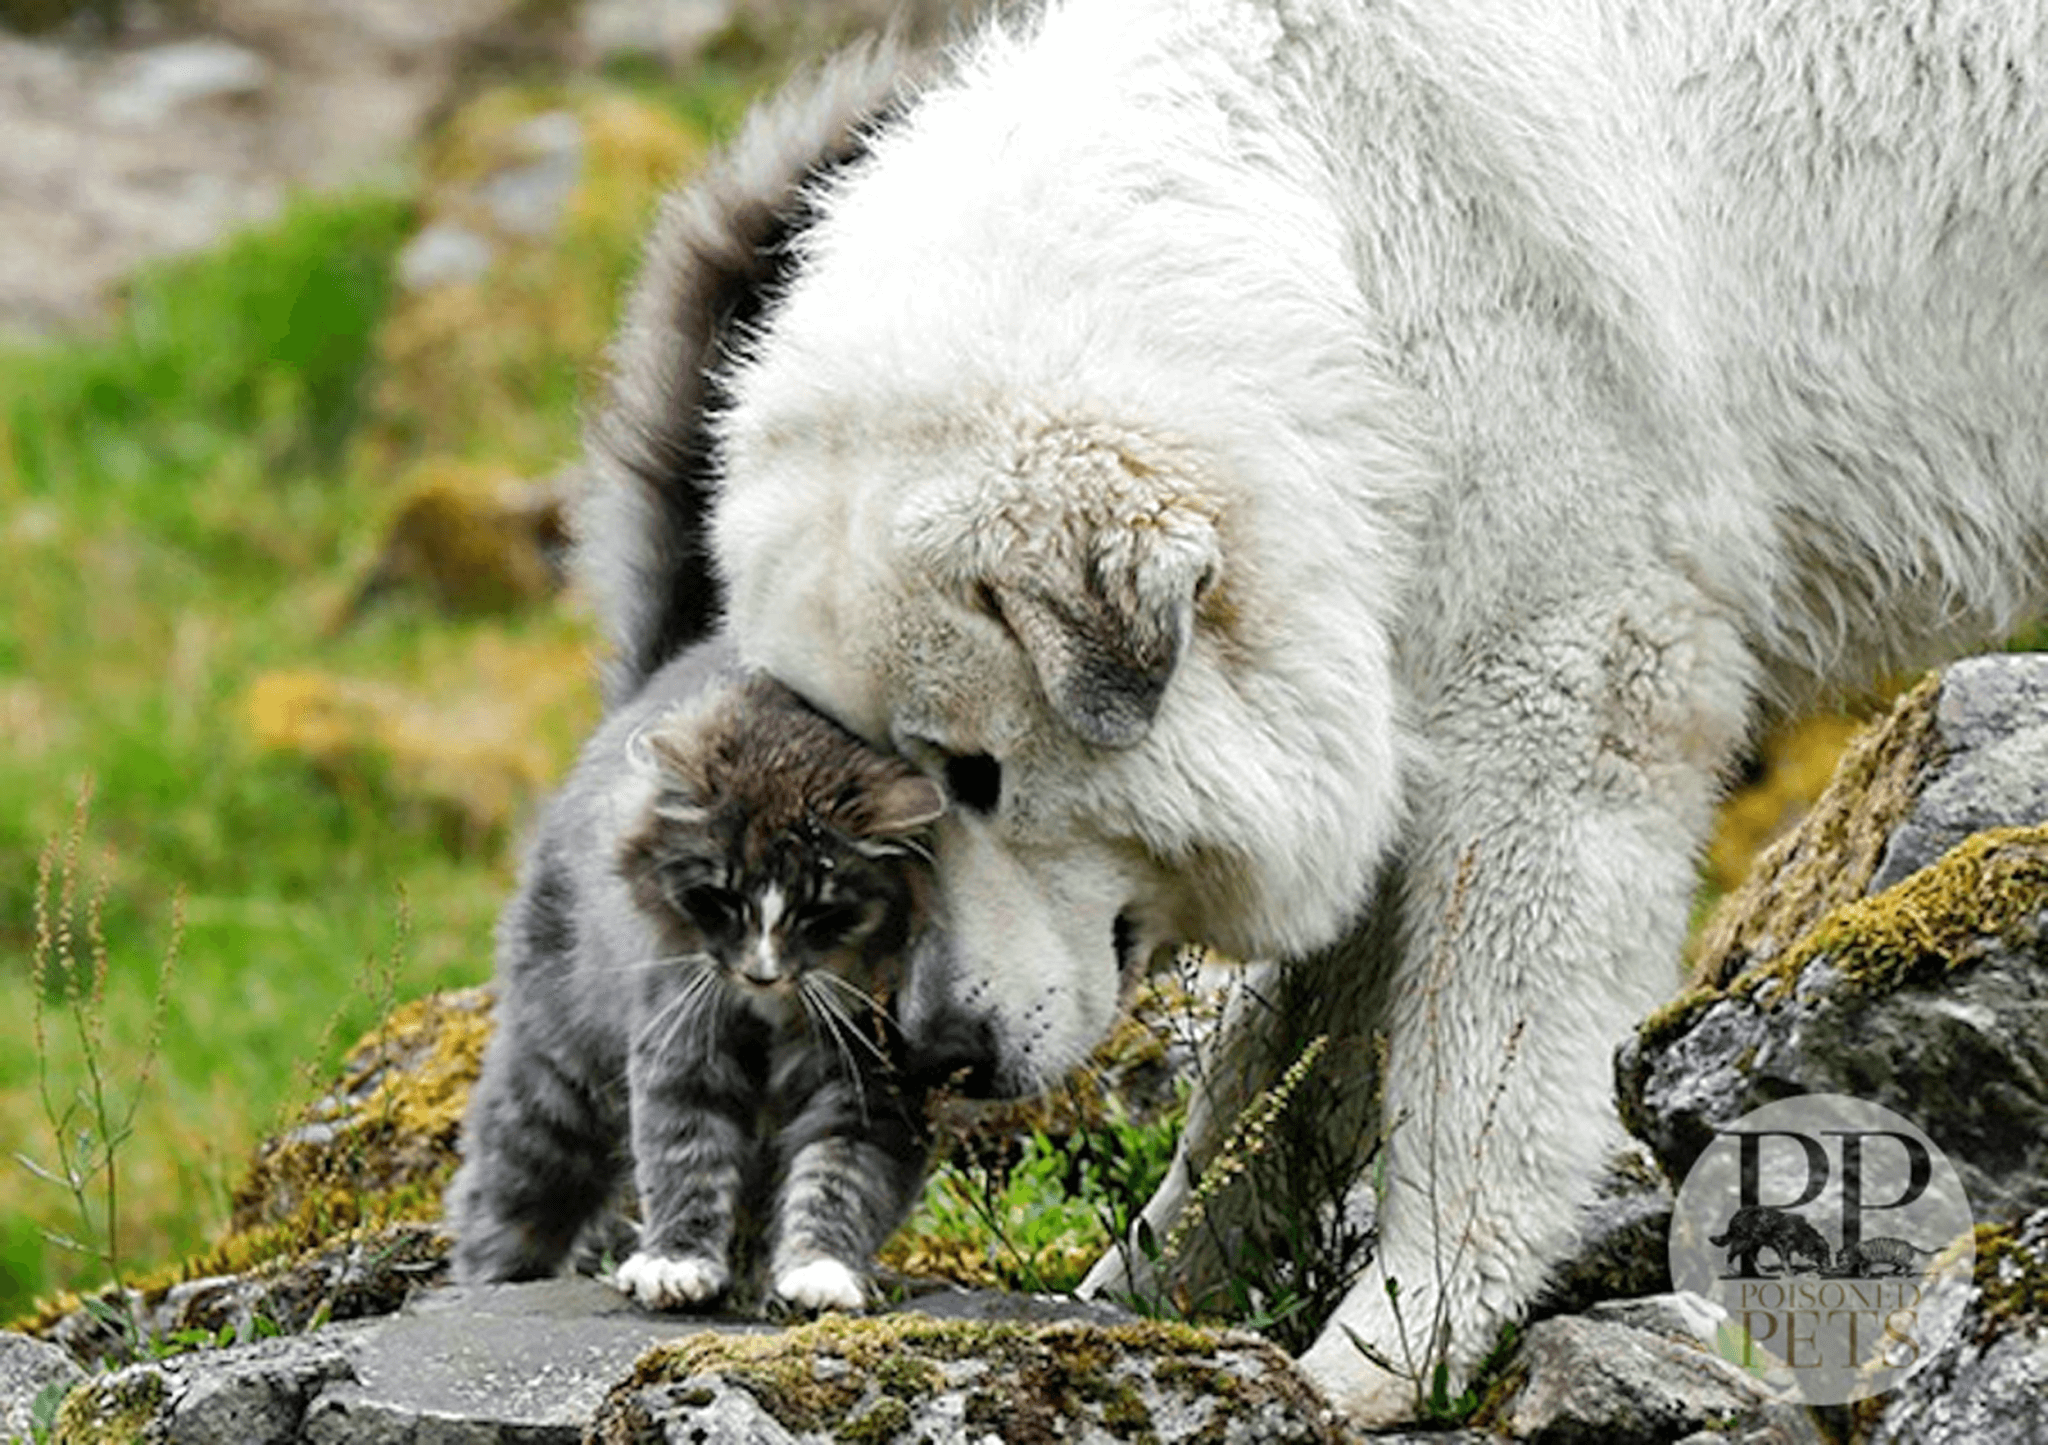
(776, 844)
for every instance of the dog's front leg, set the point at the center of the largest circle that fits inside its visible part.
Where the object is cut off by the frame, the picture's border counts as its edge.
(1548, 877)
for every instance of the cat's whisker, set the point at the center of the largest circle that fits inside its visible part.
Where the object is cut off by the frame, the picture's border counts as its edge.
(678, 1011)
(660, 1017)
(847, 986)
(869, 1008)
(697, 961)
(851, 1024)
(829, 1023)
(703, 993)
(692, 986)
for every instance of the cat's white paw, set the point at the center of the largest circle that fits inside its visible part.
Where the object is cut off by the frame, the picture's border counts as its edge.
(661, 1283)
(823, 1284)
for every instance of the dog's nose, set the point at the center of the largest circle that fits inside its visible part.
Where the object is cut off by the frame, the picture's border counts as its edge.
(959, 1054)
(1123, 936)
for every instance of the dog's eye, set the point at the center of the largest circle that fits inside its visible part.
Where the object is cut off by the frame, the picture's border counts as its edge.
(974, 781)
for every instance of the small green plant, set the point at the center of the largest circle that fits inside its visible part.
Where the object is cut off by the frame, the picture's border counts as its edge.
(1037, 1221)
(1291, 1245)
(91, 1121)
(42, 1411)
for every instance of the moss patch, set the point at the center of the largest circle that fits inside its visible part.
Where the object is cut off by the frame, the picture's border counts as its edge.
(1990, 887)
(379, 1144)
(463, 753)
(1832, 856)
(2011, 1274)
(111, 1410)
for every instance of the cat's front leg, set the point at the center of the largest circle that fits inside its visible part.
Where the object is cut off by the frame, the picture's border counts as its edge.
(690, 1146)
(854, 1160)
(539, 1156)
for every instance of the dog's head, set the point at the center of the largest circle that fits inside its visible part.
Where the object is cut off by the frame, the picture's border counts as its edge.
(1146, 731)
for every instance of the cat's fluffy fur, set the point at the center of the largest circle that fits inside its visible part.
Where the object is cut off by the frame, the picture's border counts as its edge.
(705, 957)
(1351, 475)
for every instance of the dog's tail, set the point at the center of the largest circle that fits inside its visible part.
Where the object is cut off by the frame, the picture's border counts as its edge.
(719, 252)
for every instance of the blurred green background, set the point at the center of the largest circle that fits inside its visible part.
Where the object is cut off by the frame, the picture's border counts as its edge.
(278, 533)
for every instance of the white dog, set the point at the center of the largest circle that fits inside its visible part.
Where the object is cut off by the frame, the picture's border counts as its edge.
(1337, 482)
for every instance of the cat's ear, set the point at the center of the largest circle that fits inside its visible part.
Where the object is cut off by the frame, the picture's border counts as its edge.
(640, 749)
(653, 752)
(905, 804)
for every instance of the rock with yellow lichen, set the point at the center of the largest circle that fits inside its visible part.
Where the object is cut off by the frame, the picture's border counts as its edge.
(1846, 966)
(912, 1377)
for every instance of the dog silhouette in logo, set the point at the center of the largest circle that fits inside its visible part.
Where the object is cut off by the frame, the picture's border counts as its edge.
(1873, 1258)
(1757, 1227)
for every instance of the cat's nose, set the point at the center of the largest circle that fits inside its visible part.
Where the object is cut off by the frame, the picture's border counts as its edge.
(760, 966)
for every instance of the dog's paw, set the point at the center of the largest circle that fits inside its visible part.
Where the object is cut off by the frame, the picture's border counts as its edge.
(823, 1284)
(661, 1283)
(1368, 1396)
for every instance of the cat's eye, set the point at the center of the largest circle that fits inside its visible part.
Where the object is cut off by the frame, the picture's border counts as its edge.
(716, 911)
(825, 925)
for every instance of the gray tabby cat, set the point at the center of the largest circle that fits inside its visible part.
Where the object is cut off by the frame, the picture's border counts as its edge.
(706, 956)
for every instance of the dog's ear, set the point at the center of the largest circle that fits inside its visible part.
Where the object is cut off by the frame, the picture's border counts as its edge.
(1106, 618)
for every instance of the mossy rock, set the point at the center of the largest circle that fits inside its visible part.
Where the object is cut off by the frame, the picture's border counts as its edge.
(469, 746)
(2011, 1276)
(905, 1377)
(1991, 889)
(1989, 1380)
(470, 539)
(1924, 999)
(111, 1411)
(335, 1219)
(386, 1131)
(1791, 770)
(1830, 858)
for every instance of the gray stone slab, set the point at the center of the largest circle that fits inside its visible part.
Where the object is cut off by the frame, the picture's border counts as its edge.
(531, 1359)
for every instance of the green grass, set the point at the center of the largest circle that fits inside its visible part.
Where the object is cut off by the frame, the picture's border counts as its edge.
(176, 503)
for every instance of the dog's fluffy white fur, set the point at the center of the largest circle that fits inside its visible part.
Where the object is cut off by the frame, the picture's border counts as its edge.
(1273, 455)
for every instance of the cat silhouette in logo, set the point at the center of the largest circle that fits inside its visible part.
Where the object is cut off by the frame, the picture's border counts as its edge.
(1872, 1258)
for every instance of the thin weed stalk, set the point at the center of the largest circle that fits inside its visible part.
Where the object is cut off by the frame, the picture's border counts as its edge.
(89, 1128)
(1425, 1363)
